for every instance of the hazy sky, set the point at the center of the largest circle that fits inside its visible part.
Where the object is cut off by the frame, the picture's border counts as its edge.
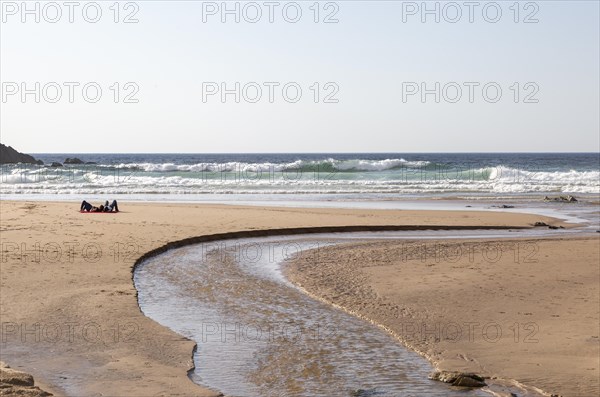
(372, 65)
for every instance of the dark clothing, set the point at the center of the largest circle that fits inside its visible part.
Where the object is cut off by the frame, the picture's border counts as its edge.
(85, 206)
(112, 207)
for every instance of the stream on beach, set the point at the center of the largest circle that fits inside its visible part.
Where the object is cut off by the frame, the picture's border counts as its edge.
(259, 335)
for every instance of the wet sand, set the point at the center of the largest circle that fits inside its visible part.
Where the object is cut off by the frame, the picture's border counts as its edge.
(525, 310)
(71, 274)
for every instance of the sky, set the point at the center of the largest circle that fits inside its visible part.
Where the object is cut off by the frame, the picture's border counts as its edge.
(340, 76)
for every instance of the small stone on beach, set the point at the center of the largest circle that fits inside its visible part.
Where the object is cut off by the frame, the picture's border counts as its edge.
(458, 378)
(562, 199)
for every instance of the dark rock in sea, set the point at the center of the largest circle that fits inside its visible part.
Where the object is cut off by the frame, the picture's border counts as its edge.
(73, 160)
(503, 206)
(459, 379)
(91, 162)
(55, 164)
(540, 224)
(8, 155)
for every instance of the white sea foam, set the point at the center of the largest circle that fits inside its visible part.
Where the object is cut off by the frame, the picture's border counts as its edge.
(339, 165)
(394, 176)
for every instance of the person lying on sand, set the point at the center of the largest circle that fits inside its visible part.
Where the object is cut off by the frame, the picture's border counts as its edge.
(87, 207)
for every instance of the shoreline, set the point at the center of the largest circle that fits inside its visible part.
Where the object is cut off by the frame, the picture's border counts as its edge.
(172, 221)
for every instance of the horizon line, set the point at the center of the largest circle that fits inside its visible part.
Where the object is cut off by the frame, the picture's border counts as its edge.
(378, 152)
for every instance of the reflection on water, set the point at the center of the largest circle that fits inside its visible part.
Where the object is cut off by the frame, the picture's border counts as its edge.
(258, 335)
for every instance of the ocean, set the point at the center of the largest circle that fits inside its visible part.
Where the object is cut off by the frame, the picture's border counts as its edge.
(350, 176)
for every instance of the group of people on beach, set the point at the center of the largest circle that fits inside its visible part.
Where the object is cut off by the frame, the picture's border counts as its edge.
(106, 207)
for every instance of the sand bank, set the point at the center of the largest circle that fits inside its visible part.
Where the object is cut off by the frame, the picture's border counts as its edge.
(67, 302)
(524, 310)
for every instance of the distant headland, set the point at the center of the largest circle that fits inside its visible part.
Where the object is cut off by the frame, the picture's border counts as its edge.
(8, 155)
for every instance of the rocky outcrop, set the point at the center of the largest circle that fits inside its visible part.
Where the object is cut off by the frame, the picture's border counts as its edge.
(459, 379)
(539, 224)
(561, 199)
(73, 160)
(18, 383)
(8, 155)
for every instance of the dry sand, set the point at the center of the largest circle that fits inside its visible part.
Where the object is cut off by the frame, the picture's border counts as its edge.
(524, 310)
(91, 337)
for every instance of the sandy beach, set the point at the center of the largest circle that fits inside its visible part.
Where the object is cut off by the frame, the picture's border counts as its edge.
(300, 199)
(519, 310)
(70, 315)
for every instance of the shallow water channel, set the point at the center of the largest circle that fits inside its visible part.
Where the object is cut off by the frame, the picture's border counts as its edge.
(259, 335)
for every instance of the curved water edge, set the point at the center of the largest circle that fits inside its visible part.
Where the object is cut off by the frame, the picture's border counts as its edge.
(503, 386)
(491, 233)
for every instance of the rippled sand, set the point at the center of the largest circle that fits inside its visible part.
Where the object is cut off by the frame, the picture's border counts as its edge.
(136, 355)
(522, 310)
